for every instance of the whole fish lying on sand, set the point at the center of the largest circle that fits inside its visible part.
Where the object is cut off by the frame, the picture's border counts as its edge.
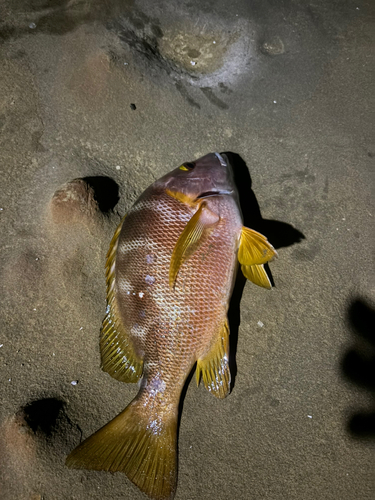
(170, 274)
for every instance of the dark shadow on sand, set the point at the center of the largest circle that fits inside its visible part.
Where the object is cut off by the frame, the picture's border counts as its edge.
(106, 192)
(279, 234)
(358, 365)
(42, 415)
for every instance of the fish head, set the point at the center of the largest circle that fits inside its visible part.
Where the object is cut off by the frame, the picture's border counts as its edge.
(210, 175)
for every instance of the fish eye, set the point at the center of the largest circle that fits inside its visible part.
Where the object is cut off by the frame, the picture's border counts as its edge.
(187, 166)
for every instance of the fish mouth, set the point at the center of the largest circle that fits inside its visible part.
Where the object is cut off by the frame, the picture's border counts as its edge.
(208, 194)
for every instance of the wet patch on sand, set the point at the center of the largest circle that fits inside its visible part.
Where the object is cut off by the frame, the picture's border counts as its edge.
(203, 52)
(56, 17)
(197, 54)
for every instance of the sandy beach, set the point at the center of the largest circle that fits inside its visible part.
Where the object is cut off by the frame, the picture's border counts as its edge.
(99, 99)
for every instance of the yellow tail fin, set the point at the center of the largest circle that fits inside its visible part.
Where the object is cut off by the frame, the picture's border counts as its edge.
(145, 450)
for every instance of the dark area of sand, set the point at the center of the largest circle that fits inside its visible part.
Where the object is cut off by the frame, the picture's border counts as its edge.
(117, 94)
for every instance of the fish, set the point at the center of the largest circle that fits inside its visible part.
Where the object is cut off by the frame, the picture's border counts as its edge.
(170, 273)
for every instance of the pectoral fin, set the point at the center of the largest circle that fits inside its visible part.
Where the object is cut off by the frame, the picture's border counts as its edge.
(119, 358)
(257, 275)
(190, 238)
(254, 248)
(214, 366)
(253, 252)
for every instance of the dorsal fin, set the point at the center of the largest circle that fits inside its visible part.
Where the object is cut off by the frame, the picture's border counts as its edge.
(119, 358)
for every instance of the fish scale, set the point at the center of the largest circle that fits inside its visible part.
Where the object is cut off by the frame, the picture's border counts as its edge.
(170, 273)
(196, 288)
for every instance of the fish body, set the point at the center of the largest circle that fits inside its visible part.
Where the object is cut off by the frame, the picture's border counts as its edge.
(170, 273)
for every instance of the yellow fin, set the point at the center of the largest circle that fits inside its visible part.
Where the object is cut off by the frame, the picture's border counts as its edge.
(190, 236)
(146, 451)
(119, 358)
(214, 367)
(254, 248)
(257, 275)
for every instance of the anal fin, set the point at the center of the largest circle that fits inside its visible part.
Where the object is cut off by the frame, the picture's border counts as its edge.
(214, 366)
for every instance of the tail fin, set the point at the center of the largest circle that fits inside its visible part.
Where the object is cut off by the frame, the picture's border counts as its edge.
(146, 451)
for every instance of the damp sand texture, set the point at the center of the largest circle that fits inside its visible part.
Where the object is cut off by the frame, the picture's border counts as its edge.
(285, 87)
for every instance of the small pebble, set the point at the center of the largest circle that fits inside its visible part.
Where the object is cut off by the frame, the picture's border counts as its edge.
(81, 328)
(32, 26)
(74, 382)
(310, 416)
(118, 167)
(193, 63)
(274, 102)
(260, 324)
(1, 345)
(133, 106)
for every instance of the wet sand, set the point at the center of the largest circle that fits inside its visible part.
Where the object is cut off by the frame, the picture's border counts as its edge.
(115, 94)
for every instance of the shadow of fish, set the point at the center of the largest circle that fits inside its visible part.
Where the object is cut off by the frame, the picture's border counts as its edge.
(170, 273)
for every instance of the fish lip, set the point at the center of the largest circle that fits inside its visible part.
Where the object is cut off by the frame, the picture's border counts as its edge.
(208, 194)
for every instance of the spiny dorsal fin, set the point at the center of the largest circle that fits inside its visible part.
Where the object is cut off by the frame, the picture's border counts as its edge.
(257, 275)
(214, 366)
(254, 248)
(119, 358)
(189, 238)
(130, 444)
